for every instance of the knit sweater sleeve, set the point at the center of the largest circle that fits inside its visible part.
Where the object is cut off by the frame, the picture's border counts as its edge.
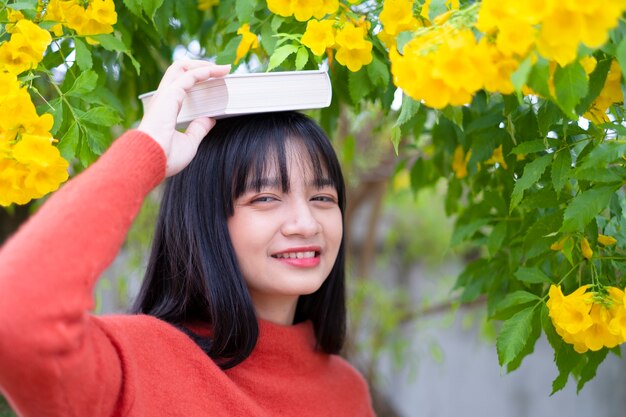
(55, 360)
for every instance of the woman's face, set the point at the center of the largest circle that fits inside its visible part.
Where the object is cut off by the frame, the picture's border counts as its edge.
(286, 242)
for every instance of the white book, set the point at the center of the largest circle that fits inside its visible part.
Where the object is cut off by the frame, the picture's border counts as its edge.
(238, 94)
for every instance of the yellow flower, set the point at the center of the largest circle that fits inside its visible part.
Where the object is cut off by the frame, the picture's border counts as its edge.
(319, 35)
(25, 48)
(355, 58)
(354, 50)
(99, 18)
(303, 10)
(248, 41)
(207, 4)
(570, 313)
(515, 37)
(397, 16)
(497, 158)
(606, 240)
(459, 162)
(13, 16)
(327, 7)
(280, 7)
(585, 248)
(46, 168)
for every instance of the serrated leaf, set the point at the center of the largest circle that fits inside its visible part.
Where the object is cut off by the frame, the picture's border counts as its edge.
(83, 56)
(396, 137)
(535, 240)
(529, 347)
(69, 142)
(151, 6)
(532, 172)
(97, 140)
(55, 108)
(571, 85)
(280, 55)
(605, 153)
(464, 231)
(620, 54)
(532, 275)
(539, 76)
(378, 72)
(110, 42)
(101, 116)
(435, 8)
(597, 80)
(514, 335)
(229, 53)
(520, 75)
(588, 372)
(302, 57)
(610, 174)
(585, 206)
(532, 146)
(358, 85)
(512, 303)
(408, 109)
(245, 9)
(561, 169)
(496, 237)
(134, 6)
(84, 83)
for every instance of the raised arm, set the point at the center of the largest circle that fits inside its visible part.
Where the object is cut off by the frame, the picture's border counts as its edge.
(54, 359)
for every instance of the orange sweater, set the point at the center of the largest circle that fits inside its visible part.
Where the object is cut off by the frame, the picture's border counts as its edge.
(56, 359)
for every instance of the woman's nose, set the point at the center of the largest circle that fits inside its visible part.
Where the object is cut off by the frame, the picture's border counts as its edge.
(300, 220)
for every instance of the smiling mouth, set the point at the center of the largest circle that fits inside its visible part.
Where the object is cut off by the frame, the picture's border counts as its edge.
(297, 255)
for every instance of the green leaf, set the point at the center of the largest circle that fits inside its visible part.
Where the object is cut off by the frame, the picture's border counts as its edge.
(111, 43)
(134, 6)
(97, 140)
(536, 241)
(532, 172)
(515, 334)
(69, 142)
(532, 275)
(520, 75)
(597, 80)
(151, 6)
(85, 83)
(24, 5)
(436, 8)
(83, 56)
(609, 174)
(533, 146)
(268, 41)
(494, 242)
(561, 169)
(539, 76)
(621, 56)
(358, 85)
(605, 153)
(280, 55)
(402, 39)
(585, 206)
(302, 57)
(588, 372)
(512, 303)
(378, 72)
(229, 53)
(55, 107)
(277, 21)
(547, 115)
(571, 86)
(101, 116)
(529, 347)
(245, 9)
(408, 109)
(464, 231)
(396, 137)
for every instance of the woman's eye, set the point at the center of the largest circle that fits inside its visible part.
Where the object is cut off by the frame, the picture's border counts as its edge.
(264, 199)
(325, 199)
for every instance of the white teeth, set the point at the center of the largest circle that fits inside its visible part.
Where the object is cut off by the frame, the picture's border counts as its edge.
(296, 255)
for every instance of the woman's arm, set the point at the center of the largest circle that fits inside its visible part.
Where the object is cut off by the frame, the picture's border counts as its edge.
(54, 359)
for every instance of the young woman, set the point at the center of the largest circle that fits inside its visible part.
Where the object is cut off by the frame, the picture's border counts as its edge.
(242, 309)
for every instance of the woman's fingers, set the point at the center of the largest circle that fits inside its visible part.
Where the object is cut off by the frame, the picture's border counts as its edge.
(180, 67)
(197, 129)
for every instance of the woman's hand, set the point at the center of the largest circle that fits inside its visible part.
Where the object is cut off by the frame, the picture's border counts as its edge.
(159, 121)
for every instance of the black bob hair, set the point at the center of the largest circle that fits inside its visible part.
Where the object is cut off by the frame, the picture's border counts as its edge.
(193, 274)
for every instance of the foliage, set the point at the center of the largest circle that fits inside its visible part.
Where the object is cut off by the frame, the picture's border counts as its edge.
(517, 105)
